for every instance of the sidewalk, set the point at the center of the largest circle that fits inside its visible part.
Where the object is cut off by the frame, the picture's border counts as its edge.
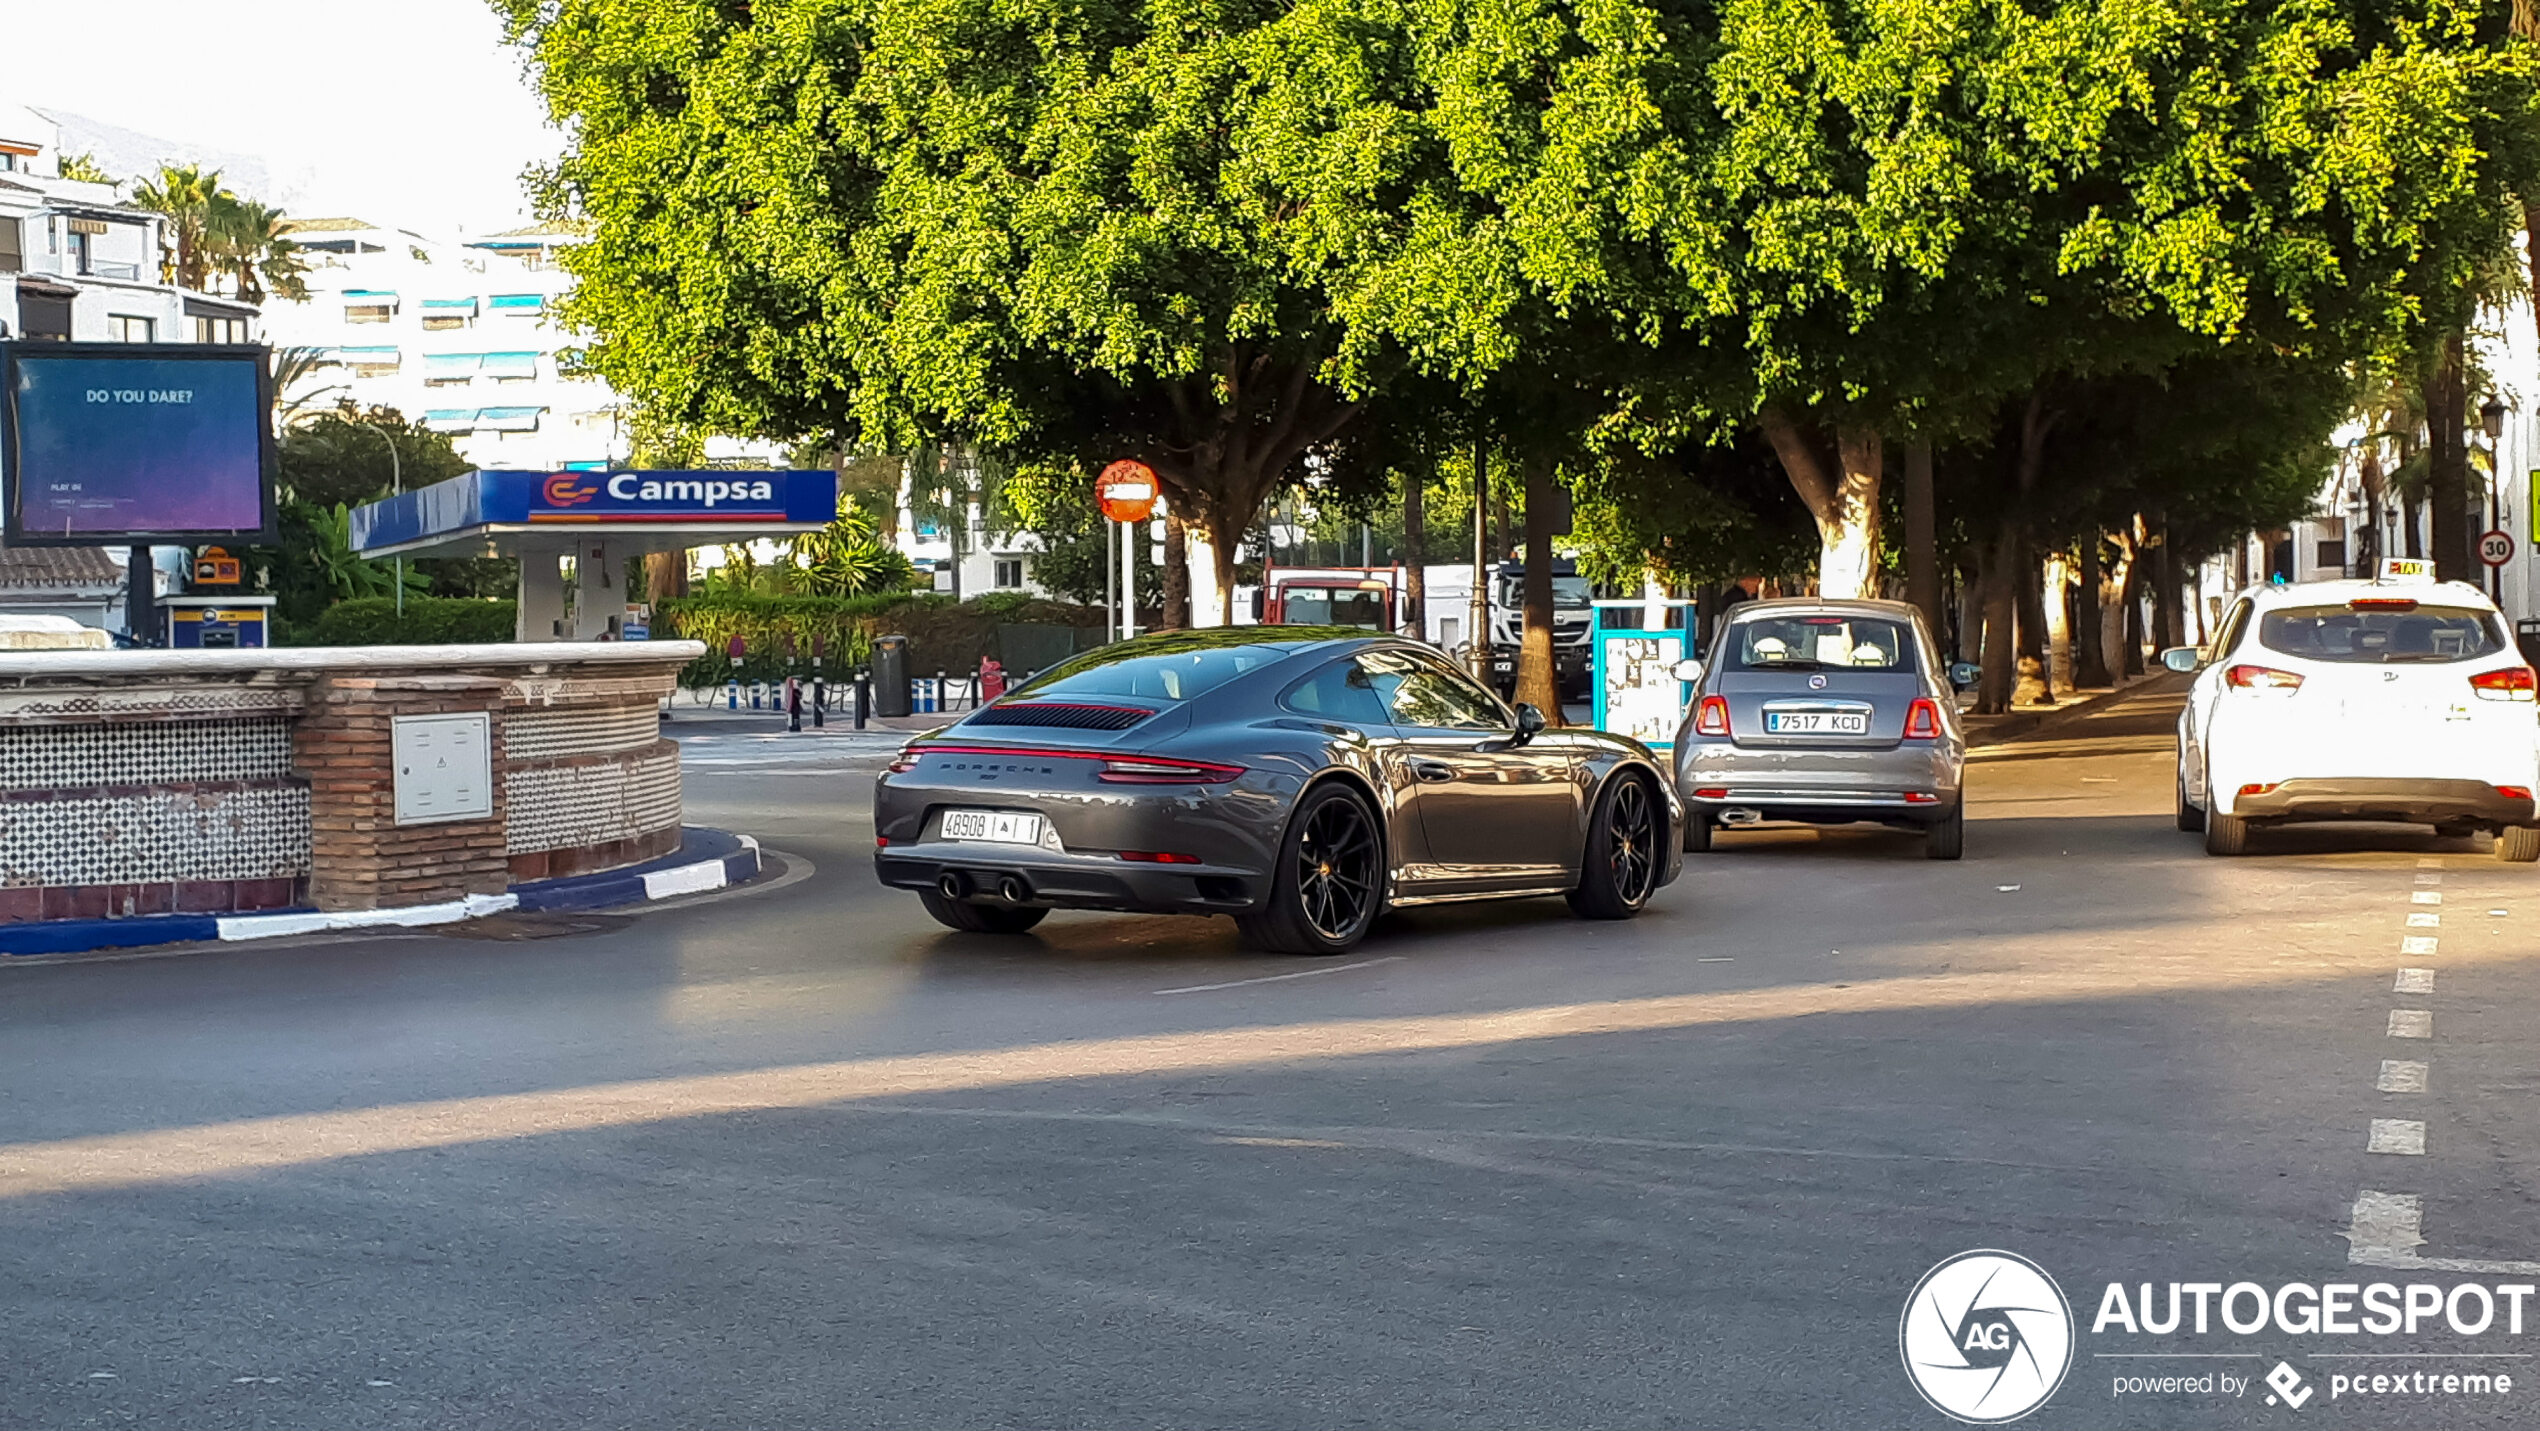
(2023, 719)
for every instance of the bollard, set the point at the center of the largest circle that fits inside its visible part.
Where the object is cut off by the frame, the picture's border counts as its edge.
(732, 692)
(819, 686)
(863, 695)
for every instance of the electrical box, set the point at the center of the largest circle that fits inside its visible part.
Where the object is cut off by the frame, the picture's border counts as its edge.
(445, 768)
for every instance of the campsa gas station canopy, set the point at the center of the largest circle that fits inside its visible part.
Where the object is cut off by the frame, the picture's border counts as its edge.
(601, 519)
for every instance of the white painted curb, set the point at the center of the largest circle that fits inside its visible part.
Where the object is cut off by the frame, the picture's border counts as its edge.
(267, 926)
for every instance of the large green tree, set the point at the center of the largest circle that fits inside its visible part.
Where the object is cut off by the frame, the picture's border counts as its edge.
(1204, 233)
(1890, 217)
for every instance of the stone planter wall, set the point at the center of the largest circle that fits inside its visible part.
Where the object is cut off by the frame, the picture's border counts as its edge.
(150, 782)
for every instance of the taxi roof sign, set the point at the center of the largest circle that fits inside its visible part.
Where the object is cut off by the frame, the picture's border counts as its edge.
(2406, 571)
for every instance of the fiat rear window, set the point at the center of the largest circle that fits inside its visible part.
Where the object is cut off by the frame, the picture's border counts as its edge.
(2366, 634)
(1822, 642)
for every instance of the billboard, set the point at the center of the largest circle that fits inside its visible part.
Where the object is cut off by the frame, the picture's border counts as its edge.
(116, 444)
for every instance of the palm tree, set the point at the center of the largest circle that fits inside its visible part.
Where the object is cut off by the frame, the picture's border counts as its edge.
(185, 195)
(295, 403)
(252, 247)
(84, 168)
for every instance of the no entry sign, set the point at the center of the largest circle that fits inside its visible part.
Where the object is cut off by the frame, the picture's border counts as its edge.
(1126, 491)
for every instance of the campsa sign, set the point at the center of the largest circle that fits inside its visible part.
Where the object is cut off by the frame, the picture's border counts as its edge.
(688, 498)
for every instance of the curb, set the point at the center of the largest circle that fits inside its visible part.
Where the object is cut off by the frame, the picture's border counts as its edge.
(2015, 724)
(675, 875)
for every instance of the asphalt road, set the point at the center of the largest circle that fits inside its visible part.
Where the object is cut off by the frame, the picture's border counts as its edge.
(792, 1156)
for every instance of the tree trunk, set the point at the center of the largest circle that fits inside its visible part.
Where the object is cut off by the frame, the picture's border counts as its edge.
(1710, 603)
(1536, 684)
(1212, 576)
(2037, 651)
(665, 575)
(2165, 623)
(2090, 651)
(2133, 611)
(1996, 656)
(1477, 601)
(1177, 574)
(1922, 539)
(1415, 555)
(2447, 477)
(1839, 484)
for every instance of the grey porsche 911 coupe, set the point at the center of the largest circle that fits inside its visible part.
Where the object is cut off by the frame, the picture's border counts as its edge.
(1301, 779)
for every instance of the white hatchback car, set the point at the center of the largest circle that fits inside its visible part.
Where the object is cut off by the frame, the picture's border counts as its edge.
(2396, 699)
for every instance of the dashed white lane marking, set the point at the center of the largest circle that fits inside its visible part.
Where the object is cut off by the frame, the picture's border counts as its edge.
(2402, 1136)
(2400, 1075)
(2388, 1228)
(2425, 921)
(2429, 879)
(2429, 864)
(1276, 978)
(2414, 981)
(2411, 1023)
(2425, 896)
(2418, 944)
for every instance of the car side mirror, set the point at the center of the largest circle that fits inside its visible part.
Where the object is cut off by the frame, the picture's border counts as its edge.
(1530, 722)
(1964, 674)
(2182, 658)
(1688, 670)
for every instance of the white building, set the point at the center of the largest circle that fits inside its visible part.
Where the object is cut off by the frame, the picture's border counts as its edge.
(78, 263)
(459, 336)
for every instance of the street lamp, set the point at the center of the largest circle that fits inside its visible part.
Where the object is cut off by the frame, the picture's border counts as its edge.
(2491, 418)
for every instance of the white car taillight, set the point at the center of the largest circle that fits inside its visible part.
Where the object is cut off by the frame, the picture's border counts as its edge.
(2262, 678)
(2513, 683)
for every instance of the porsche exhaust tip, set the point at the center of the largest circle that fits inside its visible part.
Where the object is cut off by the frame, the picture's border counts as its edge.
(953, 884)
(1013, 890)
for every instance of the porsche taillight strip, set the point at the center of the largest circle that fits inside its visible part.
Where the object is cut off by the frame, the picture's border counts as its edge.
(1118, 769)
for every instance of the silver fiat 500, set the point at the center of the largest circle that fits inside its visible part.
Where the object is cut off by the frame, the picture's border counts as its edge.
(1822, 713)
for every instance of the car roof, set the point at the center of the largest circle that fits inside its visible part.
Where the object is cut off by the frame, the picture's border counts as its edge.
(1790, 605)
(2345, 589)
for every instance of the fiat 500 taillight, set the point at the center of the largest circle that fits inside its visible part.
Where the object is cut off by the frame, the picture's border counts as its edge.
(1712, 716)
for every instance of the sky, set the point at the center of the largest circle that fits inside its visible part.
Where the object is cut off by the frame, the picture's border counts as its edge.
(407, 113)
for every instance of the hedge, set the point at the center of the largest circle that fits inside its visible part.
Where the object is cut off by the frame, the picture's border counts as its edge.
(943, 634)
(427, 621)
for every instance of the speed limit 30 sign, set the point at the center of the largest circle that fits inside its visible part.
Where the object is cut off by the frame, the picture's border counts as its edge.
(2496, 548)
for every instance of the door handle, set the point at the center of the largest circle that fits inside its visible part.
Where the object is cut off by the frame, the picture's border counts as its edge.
(1432, 771)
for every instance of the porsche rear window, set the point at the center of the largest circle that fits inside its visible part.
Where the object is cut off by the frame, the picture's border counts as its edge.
(1150, 675)
(2424, 634)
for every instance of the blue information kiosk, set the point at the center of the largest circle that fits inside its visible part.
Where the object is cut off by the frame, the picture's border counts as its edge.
(601, 520)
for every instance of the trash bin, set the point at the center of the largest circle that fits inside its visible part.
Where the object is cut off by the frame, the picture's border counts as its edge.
(890, 675)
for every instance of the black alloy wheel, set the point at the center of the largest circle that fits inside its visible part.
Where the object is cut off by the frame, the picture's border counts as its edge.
(1619, 871)
(1330, 880)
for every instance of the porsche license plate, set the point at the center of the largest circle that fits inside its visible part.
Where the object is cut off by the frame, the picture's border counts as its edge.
(999, 827)
(1816, 723)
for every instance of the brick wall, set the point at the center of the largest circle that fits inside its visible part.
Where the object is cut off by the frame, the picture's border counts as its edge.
(341, 745)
